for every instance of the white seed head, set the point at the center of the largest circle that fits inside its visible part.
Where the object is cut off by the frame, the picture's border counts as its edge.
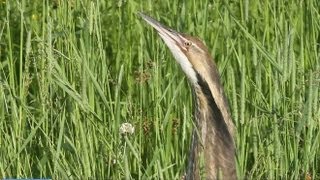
(126, 128)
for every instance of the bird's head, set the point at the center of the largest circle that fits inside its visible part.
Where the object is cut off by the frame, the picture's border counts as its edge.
(189, 52)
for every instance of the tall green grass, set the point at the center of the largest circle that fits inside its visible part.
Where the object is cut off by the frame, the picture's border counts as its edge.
(71, 72)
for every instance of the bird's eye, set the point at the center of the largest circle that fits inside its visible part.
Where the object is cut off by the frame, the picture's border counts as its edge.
(187, 43)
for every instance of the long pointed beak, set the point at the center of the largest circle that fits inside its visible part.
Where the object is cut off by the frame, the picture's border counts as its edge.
(176, 43)
(166, 33)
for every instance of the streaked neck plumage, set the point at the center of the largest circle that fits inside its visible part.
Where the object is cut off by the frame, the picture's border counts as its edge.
(213, 138)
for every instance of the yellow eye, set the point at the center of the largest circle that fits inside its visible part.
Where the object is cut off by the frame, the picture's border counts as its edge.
(187, 43)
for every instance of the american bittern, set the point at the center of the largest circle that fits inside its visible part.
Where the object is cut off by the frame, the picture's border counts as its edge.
(212, 118)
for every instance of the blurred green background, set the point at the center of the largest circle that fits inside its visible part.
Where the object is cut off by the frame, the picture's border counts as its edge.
(72, 72)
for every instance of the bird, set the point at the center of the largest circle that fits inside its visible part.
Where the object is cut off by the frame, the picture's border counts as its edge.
(212, 141)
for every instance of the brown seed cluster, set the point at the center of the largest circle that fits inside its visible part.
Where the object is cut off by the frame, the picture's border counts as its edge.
(142, 76)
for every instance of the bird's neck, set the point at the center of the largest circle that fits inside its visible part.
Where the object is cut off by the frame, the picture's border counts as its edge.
(212, 140)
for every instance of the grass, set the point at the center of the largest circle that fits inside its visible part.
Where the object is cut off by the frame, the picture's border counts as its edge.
(71, 72)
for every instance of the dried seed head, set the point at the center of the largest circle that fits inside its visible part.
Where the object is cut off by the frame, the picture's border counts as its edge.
(126, 128)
